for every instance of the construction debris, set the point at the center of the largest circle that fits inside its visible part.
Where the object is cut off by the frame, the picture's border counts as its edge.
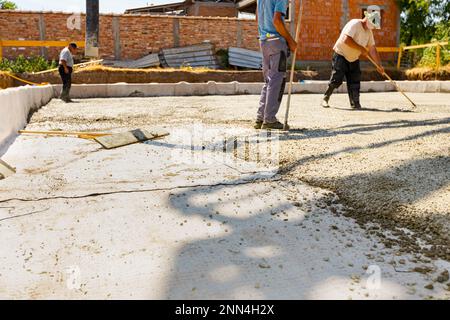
(5, 170)
(245, 58)
(131, 137)
(201, 55)
(151, 60)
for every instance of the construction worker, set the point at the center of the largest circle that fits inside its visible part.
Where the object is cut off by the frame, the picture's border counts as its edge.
(66, 69)
(274, 41)
(355, 40)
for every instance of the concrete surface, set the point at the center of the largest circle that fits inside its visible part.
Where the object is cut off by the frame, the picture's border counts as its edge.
(181, 219)
(15, 105)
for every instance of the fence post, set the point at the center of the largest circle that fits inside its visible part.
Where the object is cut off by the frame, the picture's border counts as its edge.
(438, 56)
(400, 54)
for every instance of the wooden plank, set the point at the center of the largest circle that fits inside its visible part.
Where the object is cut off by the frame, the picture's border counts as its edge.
(74, 66)
(444, 43)
(5, 170)
(131, 137)
(388, 49)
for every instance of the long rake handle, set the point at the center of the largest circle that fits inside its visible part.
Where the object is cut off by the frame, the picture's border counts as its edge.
(392, 81)
(294, 59)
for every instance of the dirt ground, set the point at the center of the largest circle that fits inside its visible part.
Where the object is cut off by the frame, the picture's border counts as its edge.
(5, 81)
(388, 164)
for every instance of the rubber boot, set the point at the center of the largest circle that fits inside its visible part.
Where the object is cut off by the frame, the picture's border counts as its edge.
(350, 97)
(64, 95)
(355, 93)
(327, 95)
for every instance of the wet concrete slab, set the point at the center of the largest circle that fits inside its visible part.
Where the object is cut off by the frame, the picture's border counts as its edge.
(200, 214)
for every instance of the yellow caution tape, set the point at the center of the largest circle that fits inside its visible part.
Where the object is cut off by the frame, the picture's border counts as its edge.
(27, 82)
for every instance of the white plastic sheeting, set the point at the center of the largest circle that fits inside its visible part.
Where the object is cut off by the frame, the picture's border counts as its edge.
(15, 106)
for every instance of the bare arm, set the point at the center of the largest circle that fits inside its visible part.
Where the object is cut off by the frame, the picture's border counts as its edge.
(353, 44)
(375, 56)
(64, 64)
(282, 30)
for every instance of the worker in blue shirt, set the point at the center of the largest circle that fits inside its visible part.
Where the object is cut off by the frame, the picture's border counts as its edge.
(275, 42)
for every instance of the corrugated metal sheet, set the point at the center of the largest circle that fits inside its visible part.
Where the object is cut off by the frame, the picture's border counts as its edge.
(201, 55)
(240, 57)
(151, 60)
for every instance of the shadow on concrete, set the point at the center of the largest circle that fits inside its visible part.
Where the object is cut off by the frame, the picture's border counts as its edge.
(208, 268)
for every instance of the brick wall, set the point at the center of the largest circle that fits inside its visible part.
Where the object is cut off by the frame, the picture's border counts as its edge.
(323, 20)
(136, 35)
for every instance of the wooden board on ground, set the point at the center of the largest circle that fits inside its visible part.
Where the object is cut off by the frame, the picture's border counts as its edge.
(127, 138)
(5, 170)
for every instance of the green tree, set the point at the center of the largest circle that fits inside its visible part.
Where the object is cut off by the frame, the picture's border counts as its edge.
(422, 19)
(7, 5)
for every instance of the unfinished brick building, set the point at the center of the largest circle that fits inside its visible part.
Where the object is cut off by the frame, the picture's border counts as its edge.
(217, 8)
(130, 36)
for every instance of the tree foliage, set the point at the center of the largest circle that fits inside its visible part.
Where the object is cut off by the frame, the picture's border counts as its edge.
(424, 20)
(7, 5)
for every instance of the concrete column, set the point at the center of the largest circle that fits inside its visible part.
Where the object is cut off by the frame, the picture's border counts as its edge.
(345, 13)
(197, 9)
(116, 37)
(239, 35)
(176, 32)
(44, 51)
(92, 28)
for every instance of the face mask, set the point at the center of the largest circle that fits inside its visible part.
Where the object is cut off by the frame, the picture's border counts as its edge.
(373, 20)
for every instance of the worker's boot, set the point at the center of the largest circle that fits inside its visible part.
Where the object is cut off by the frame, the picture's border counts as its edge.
(327, 96)
(354, 94)
(350, 98)
(258, 124)
(64, 95)
(273, 126)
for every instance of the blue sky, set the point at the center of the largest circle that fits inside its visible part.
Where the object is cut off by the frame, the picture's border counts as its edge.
(106, 6)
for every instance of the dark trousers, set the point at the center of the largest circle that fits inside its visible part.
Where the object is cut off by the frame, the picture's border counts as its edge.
(352, 73)
(67, 82)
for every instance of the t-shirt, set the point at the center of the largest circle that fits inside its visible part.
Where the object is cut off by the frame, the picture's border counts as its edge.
(355, 30)
(266, 11)
(67, 56)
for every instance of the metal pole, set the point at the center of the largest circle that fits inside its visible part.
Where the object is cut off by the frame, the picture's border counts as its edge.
(92, 28)
(297, 34)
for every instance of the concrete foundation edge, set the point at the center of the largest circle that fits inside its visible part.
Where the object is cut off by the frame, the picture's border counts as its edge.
(236, 88)
(15, 107)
